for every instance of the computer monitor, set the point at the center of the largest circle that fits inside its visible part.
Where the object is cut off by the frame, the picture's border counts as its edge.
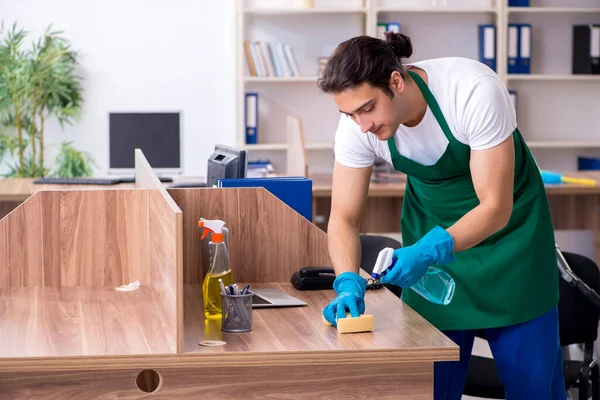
(157, 134)
(226, 162)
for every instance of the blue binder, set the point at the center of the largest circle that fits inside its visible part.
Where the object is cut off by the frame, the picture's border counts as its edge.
(251, 117)
(294, 191)
(518, 3)
(524, 63)
(487, 45)
(513, 48)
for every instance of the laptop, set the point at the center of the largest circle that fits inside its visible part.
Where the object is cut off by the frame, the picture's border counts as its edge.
(274, 298)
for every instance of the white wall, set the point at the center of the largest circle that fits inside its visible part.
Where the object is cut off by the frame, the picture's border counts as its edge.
(145, 55)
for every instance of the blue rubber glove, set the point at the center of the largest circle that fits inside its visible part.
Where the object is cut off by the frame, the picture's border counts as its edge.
(350, 288)
(412, 262)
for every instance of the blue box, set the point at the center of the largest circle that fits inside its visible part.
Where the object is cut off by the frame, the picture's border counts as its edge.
(296, 192)
(588, 163)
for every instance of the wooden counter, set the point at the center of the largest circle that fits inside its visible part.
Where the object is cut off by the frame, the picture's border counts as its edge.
(67, 333)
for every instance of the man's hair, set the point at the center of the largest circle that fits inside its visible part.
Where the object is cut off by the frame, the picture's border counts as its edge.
(366, 59)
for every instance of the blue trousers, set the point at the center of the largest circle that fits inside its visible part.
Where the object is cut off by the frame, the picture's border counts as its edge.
(528, 357)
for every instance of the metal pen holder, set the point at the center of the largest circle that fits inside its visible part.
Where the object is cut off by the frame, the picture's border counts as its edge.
(236, 314)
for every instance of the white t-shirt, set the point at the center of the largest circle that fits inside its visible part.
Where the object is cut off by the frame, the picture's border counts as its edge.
(475, 104)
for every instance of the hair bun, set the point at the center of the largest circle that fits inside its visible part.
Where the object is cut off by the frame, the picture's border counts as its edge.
(400, 44)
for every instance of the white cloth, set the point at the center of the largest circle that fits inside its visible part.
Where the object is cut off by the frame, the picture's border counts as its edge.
(475, 104)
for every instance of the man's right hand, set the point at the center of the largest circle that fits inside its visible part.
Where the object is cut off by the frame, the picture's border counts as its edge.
(350, 288)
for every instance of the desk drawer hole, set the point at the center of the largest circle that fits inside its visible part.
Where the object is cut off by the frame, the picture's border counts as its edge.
(149, 381)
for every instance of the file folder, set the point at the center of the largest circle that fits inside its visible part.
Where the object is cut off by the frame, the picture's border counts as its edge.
(513, 48)
(518, 3)
(296, 192)
(251, 117)
(487, 45)
(586, 49)
(524, 64)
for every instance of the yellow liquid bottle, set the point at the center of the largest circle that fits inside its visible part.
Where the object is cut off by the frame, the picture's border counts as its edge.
(211, 290)
(219, 269)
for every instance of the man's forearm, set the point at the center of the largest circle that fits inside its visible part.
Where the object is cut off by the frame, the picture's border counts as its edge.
(477, 225)
(344, 246)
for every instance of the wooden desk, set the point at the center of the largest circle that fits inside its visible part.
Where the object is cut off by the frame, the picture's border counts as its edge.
(572, 206)
(67, 333)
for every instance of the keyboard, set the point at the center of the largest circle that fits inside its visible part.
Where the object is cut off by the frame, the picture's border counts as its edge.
(259, 300)
(92, 181)
(78, 181)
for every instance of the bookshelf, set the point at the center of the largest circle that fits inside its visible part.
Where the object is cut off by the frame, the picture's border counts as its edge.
(557, 111)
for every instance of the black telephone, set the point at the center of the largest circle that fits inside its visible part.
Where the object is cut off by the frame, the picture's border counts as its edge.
(313, 278)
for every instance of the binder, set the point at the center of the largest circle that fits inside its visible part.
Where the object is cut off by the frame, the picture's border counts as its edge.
(251, 117)
(524, 60)
(586, 49)
(518, 3)
(487, 45)
(295, 191)
(513, 48)
(393, 27)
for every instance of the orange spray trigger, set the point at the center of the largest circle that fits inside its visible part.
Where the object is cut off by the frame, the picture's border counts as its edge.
(214, 226)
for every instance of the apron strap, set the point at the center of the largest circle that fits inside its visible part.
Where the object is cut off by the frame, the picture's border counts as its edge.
(433, 104)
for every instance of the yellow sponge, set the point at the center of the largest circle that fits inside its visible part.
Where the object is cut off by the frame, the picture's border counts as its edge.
(362, 323)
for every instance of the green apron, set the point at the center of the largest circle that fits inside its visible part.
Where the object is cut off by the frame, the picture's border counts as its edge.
(510, 277)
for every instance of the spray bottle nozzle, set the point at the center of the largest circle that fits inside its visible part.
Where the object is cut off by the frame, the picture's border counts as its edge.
(215, 226)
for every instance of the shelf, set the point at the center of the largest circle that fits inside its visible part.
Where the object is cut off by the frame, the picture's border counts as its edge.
(554, 10)
(560, 144)
(542, 77)
(284, 146)
(442, 10)
(276, 79)
(266, 146)
(288, 11)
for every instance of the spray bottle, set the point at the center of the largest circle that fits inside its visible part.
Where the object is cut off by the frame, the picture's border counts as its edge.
(219, 268)
(436, 285)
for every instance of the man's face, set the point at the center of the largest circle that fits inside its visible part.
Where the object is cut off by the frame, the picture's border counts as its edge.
(372, 109)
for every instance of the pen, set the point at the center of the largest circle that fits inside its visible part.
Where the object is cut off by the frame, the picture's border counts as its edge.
(245, 290)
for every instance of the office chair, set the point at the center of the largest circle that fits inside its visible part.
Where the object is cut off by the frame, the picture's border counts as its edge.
(370, 246)
(579, 314)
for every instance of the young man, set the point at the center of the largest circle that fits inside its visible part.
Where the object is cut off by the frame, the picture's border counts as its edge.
(475, 206)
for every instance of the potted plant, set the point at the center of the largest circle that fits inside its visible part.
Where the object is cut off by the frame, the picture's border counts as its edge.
(37, 84)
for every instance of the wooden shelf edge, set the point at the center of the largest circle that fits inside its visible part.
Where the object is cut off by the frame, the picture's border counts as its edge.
(439, 10)
(276, 79)
(288, 11)
(247, 359)
(556, 144)
(553, 77)
(556, 10)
